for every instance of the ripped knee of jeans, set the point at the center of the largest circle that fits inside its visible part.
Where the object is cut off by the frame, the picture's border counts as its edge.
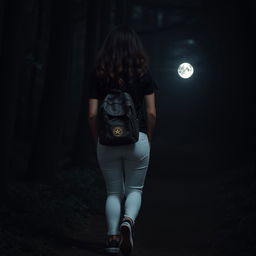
(118, 194)
(130, 190)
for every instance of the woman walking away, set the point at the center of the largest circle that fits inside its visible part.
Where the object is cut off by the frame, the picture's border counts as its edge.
(122, 64)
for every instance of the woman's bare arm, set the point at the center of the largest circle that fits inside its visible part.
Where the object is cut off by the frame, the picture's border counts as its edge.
(151, 114)
(92, 118)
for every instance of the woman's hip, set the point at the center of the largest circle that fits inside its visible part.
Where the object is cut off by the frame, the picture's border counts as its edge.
(134, 151)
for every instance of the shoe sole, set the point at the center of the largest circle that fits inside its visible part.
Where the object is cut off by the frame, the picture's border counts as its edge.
(126, 243)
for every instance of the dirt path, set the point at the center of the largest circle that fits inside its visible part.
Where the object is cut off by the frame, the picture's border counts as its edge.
(177, 218)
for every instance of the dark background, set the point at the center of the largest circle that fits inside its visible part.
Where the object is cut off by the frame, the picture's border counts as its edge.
(202, 169)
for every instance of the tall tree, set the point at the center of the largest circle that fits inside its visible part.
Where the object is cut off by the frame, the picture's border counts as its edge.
(82, 150)
(47, 148)
(13, 44)
(2, 6)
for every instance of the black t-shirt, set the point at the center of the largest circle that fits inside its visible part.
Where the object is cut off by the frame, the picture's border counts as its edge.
(137, 89)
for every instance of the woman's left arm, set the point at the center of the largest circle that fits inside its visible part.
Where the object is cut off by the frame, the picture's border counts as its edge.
(92, 118)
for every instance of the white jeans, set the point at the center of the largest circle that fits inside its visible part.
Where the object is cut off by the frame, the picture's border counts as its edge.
(124, 170)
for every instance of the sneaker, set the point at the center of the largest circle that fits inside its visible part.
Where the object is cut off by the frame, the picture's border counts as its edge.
(112, 247)
(126, 230)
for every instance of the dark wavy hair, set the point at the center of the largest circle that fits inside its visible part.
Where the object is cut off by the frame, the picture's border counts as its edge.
(121, 55)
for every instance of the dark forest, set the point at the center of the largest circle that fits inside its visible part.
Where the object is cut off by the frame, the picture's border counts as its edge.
(200, 191)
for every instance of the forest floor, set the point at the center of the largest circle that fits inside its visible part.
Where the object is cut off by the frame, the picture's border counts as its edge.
(177, 218)
(180, 216)
(183, 217)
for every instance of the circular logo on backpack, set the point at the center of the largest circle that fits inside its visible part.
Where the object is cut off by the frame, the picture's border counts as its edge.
(117, 131)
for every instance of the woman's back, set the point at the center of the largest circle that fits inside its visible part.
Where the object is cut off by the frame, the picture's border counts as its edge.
(137, 88)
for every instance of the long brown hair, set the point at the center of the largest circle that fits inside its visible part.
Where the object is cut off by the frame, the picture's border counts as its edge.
(121, 55)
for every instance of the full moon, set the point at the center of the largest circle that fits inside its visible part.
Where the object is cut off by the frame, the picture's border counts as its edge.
(185, 70)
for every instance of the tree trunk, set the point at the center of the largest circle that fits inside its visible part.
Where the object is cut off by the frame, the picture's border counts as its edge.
(11, 58)
(2, 9)
(47, 148)
(83, 149)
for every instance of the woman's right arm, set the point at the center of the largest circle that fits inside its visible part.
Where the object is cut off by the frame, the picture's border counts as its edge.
(150, 114)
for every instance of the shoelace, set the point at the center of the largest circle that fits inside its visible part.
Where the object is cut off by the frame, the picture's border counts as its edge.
(129, 220)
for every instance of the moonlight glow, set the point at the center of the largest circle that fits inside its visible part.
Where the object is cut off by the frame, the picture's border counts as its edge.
(185, 70)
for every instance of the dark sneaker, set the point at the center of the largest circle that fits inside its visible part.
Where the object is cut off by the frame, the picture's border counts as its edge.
(126, 242)
(112, 247)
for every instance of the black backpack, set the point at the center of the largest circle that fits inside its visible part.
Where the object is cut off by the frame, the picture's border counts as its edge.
(118, 120)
